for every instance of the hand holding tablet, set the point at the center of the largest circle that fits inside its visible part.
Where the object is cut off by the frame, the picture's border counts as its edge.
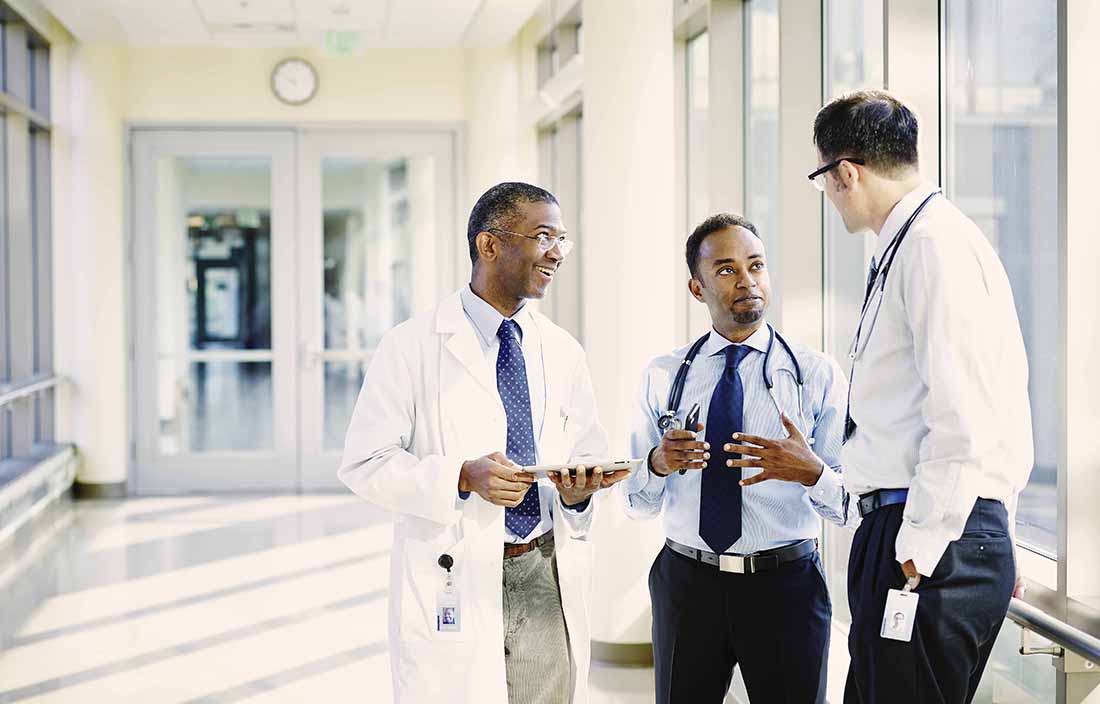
(607, 466)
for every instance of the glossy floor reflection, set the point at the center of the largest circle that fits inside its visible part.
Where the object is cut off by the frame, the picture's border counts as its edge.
(198, 599)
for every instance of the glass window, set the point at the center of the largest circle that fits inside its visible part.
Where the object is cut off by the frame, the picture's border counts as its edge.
(5, 297)
(43, 275)
(853, 60)
(762, 124)
(39, 77)
(698, 79)
(1002, 171)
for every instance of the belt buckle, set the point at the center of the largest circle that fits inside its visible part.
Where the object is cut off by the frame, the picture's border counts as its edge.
(732, 563)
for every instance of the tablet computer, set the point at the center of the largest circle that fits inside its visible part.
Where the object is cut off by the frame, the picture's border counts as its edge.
(608, 466)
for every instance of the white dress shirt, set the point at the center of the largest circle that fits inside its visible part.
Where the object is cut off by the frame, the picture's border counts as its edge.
(773, 513)
(486, 321)
(939, 382)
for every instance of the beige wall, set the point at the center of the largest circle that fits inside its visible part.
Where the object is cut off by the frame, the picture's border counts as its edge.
(100, 89)
(212, 84)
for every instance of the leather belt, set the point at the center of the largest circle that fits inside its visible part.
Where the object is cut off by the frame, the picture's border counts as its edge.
(748, 564)
(874, 500)
(517, 549)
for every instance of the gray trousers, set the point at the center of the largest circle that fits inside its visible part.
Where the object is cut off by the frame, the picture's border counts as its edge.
(536, 644)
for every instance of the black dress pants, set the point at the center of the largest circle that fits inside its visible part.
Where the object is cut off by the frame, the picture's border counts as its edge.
(961, 609)
(774, 624)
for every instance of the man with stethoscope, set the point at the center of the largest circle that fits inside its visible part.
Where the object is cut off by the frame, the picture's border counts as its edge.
(938, 441)
(739, 581)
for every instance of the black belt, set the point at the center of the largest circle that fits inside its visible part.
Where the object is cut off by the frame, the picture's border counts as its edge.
(875, 500)
(748, 564)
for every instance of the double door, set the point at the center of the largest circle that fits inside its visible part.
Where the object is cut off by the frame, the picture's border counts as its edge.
(266, 266)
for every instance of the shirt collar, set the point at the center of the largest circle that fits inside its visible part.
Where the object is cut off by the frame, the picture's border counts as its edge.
(717, 343)
(899, 215)
(486, 318)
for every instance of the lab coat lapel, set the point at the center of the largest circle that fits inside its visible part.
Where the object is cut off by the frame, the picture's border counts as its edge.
(462, 342)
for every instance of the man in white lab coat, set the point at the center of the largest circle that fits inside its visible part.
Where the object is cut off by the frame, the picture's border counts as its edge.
(454, 402)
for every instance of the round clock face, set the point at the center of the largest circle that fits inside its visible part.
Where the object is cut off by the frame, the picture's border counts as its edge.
(294, 81)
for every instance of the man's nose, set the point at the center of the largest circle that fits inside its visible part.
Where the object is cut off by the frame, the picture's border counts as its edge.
(554, 253)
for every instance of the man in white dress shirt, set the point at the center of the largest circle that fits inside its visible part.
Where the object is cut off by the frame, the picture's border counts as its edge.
(938, 439)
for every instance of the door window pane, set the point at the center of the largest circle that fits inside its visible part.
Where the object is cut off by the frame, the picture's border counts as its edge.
(342, 383)
(227, 407)
(368, 241)
(213, 312)
(1002, 171)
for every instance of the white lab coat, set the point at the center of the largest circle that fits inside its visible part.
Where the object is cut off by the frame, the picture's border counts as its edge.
(428, 403)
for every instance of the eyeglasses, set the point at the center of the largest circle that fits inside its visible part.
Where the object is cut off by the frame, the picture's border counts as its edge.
(545, 241)
(817, 178)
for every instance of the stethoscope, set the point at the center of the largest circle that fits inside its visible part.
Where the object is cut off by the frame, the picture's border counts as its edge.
(669, 420)
(876, 284)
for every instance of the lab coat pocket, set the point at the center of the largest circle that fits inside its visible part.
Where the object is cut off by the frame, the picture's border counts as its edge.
(424, 582)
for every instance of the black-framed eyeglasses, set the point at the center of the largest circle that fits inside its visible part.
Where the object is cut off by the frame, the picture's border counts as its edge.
(817, 178)
(545, 241)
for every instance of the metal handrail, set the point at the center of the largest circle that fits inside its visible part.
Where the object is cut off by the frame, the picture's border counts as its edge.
(1060, 632)
(36, 385)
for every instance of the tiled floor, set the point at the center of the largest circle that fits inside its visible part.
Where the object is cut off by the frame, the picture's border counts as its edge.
(197, 599)
(252, 599)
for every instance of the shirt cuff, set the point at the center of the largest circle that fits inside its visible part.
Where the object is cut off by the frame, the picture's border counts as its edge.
(827, 487)
(577, 508)
(463, 494)
(924, 546)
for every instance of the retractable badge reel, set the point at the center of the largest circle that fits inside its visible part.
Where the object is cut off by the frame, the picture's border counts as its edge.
(447, 618)
(901, 612)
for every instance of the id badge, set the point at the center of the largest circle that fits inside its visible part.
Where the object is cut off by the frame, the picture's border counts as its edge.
(448, 617)
(900, 615)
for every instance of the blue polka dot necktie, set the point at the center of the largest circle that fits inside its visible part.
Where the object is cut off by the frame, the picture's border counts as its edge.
(512, 386)
(720, 496)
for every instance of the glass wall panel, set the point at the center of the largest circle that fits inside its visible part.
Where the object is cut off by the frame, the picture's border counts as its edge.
(1002, 170)
(762, 123)
(5, 296)
(698, 82)
(853, 60)
(43, 283)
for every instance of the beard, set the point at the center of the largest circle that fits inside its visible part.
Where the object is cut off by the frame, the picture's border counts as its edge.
(748, 317)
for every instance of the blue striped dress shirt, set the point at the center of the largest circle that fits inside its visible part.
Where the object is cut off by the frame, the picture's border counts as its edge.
(774, 513)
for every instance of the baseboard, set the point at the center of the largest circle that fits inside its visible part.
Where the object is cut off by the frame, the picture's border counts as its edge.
(104, 490)
(623, 654)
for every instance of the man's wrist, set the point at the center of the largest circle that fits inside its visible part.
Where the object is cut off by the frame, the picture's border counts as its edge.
(815, 478)
(580, 506)
(463, 482)
(649, 463)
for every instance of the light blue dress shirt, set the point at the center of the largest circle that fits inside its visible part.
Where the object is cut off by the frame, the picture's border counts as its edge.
(486, 321)
(774, 513)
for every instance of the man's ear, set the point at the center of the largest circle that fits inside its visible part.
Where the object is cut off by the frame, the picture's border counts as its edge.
(488, 247)
(696, 288)
(845, 175)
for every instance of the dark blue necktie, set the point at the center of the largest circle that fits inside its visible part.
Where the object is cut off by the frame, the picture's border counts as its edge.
(512, 386)
(720, 498)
